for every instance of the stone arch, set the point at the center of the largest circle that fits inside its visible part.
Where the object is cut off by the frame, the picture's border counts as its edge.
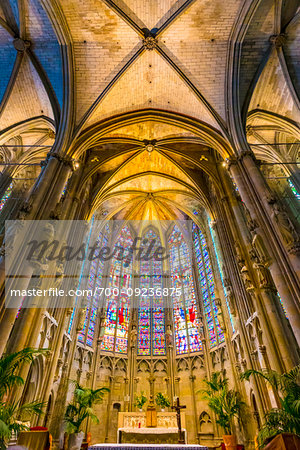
(205, 423)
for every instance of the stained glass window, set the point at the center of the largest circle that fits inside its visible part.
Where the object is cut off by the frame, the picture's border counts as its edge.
(185, 309)
(81, 273)
(117, 302)
(151, 332)
(281, 302)
(207, 285)
(6, 196)
(221, 276)
(94, 281)
(294, 190)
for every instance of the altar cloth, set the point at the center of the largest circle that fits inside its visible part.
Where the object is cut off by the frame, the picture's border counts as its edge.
(149, 436)
(150, 430)
(146, 446)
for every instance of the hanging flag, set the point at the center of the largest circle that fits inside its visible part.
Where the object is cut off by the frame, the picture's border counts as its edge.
(192, 314)
(121, 316)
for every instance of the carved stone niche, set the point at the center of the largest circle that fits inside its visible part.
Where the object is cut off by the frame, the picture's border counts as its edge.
(206, 433)
(205, 424)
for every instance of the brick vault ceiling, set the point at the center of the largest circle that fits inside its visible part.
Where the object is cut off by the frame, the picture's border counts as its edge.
(128, 55)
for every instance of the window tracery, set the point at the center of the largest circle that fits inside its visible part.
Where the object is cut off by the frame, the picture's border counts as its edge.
(151, 329)
(207, 286)
(117, 310)
(185, 309)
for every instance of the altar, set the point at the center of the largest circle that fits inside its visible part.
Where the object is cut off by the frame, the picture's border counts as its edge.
(132, 428)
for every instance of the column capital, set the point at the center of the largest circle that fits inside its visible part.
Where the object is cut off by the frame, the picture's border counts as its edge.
(229, 162)
(248, 152)
(66, 160)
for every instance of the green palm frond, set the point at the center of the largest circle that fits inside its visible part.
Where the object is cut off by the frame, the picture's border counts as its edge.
(226, 403)
(11, 412)
(10, 365)
(287, 418)
(271, 376)
(82, 406)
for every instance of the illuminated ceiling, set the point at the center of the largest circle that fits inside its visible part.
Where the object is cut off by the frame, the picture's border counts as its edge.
(84, 72)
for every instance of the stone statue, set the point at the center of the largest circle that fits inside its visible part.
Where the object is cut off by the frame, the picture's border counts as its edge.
(264, 277)
(230, 296)
(246, 278)
(285, 225)
(133, 335)
(251, 223)
(220, 314)
(261, 250)
(169, 336)
(239, 255)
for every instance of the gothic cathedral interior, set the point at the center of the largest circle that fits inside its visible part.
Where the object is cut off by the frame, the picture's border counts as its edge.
(167, 121)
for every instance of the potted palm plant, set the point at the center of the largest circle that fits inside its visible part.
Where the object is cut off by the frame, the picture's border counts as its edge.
(162, 400)
(286, 417)
(140, 400)
(226, 404)
(12, 412)
(79, 410)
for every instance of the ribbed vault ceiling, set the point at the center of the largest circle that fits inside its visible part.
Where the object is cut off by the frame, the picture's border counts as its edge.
(69, 65)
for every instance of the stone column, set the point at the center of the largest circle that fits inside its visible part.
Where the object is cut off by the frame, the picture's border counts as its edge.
(49, 376)
(192, 385)
(49, 186)
(108, 411)
(60, 401)
(9, 314)
(45, 196)
(282, 225)
(230, 228)
(256, 199)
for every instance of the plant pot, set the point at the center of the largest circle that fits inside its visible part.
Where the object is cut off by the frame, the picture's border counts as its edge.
(162, 409)
(140, 410)
(75, 441)
(230, 441)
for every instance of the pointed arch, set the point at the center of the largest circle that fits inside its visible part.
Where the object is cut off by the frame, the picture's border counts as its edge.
(151, 315)
(185, 308)
(117, 301)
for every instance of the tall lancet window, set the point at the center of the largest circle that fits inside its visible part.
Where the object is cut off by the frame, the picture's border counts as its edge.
(207, 285)
(95, 280)
(117, 301)
(185, 309)
(151, 331)
(293, 189)
(6, 196)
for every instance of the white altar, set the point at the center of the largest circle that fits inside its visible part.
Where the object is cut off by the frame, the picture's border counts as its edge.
(132, 428)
